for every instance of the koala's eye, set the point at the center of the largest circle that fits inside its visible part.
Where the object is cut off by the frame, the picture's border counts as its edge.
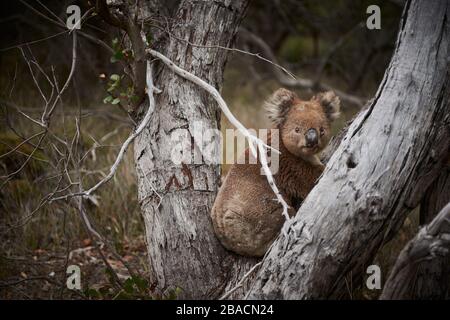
(297, 129)
(322, 131)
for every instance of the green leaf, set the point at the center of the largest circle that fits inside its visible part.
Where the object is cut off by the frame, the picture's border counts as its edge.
(115, 77)
(115, 42)
(118, 55)
(128, 286)
(108, 99)
(115, 101)
(92, 293)
(142, 284)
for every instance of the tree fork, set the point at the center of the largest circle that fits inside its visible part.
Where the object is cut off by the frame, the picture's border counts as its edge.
(390, 155)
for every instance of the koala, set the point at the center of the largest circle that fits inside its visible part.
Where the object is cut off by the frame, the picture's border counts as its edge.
(246, 215)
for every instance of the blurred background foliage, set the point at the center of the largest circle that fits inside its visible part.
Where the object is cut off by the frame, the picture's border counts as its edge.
(37, 241)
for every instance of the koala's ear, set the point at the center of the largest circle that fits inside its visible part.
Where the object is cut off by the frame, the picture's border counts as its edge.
(278, 105)
(330, 103)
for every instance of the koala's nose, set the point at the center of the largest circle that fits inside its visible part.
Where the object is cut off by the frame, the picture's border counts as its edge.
(311, 137)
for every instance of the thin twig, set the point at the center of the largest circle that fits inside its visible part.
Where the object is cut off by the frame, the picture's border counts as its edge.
(241, 282)
(256, 55)
(298, 82)
(46, 116)
(125, 145)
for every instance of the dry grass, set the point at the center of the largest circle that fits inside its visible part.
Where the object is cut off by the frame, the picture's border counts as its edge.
(56, 228)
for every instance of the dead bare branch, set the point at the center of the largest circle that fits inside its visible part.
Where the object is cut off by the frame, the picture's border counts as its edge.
(150, 91)
(296, 82)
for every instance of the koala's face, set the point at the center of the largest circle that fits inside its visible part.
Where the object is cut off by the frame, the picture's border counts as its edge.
(306, 128)
(304, 125)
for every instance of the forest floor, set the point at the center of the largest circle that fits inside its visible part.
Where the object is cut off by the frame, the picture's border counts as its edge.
(41, 274)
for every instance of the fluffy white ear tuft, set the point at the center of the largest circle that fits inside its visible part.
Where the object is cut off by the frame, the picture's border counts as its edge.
(330, 103)
(278, 105)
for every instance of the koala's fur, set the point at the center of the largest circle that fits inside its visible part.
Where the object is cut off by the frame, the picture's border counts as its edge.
(246, 216)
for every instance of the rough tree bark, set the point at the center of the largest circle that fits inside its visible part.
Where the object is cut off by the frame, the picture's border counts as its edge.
(432, 244)
(429, 279)
(433, 277)
(390, 155)
(183, 250)
(436, 197)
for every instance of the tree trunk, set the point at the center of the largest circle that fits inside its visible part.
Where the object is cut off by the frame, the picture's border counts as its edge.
(390, 155)
(436, 197)
(431, 245)
(183, 250)
(431, 278)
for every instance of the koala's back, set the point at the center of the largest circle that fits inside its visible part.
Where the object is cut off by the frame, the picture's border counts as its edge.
(246, 215)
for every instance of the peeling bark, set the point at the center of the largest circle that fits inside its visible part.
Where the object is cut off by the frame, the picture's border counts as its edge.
(389, 156)
(183, 250)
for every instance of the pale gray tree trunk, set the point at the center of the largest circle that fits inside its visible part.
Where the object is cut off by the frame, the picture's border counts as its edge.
(183, 250)
(436, 197)
(433, 277)
(389, 156)
(429, 279)
(429, 249)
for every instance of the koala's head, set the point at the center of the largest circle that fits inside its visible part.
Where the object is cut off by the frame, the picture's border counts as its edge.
(304, 125)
